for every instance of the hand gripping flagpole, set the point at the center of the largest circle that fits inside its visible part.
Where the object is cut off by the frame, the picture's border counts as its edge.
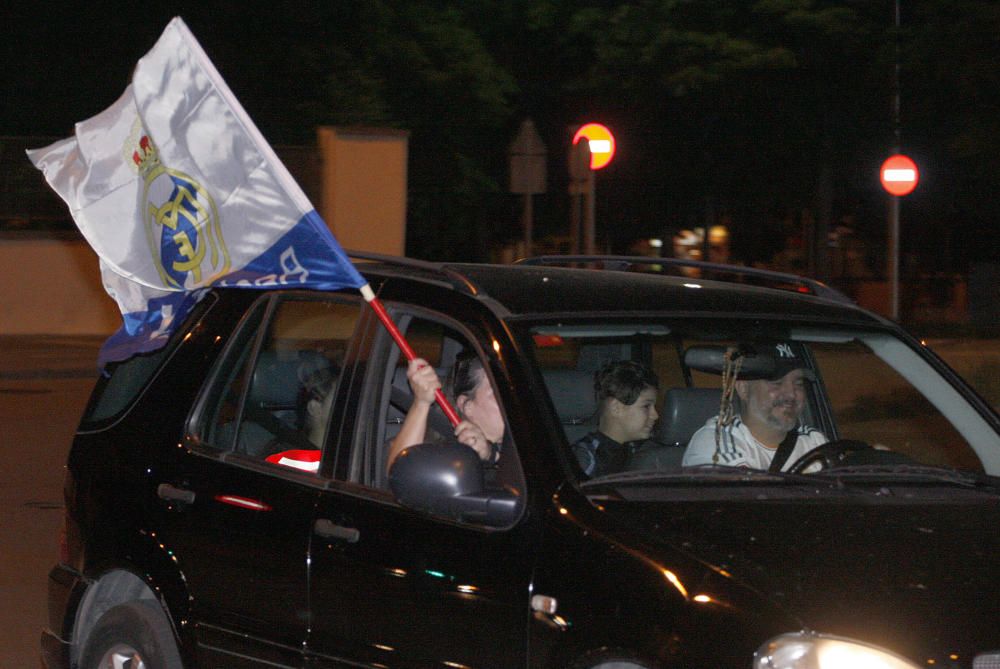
(404, 346)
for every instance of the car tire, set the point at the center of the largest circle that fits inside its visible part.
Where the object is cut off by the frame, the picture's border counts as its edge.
(135, 635)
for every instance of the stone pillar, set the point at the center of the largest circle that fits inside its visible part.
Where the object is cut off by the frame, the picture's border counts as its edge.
(363, 174)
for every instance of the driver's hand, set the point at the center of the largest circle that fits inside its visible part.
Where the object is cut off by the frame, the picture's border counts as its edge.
(471, 435)
(423, 380)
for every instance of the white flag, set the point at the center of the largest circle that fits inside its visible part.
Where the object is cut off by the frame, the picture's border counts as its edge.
(176, 190)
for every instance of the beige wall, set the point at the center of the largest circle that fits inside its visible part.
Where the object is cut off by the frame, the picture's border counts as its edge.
(51, 286)
(363, 176)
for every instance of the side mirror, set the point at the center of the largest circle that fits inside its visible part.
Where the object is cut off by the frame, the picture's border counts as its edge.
(447, 480)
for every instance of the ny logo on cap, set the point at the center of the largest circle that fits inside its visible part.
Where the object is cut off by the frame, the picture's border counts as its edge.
(784, 351)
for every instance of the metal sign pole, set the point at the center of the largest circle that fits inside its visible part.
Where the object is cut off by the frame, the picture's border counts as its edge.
(894, 257)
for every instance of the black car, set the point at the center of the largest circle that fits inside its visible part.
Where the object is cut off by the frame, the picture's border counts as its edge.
(216, 518)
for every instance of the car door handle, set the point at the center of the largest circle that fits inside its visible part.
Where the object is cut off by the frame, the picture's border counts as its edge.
(330, 530)
(175, 494)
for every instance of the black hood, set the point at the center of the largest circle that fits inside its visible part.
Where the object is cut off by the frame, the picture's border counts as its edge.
(918, 577)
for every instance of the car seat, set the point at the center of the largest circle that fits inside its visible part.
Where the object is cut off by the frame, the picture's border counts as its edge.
(684, 411)
(572, 394)
(271, 410)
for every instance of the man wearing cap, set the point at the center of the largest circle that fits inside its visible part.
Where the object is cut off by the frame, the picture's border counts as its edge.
(764, 433)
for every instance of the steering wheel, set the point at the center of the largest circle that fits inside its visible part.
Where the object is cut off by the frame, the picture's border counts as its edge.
(830, 454)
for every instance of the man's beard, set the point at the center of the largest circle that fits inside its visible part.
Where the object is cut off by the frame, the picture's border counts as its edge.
(782, 415)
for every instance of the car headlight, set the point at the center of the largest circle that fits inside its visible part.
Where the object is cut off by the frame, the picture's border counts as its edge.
(816, 651)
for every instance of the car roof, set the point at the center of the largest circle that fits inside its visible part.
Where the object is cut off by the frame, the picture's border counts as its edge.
(683, 267)
(539, 291)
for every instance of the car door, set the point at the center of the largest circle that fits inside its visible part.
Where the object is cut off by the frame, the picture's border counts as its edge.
(396, 587)
(237, 508)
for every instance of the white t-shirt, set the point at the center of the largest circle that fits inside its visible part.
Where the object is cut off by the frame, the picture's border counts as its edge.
(739, 448)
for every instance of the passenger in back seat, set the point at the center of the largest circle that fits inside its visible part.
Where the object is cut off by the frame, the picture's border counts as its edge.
(626, 397)
(315, 402)
(301, 448)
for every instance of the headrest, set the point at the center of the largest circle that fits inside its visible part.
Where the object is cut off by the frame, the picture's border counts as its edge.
(762, 360)
(400, 381)
(685, 410)
(278, 377)
(572, 393)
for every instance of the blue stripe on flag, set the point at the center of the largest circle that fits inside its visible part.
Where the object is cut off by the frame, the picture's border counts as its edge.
(307, 256)
(145, 331)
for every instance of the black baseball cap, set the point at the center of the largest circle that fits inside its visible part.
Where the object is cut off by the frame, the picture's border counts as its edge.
(771, 361)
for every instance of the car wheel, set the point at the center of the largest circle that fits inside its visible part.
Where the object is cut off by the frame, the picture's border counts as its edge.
(131, 636)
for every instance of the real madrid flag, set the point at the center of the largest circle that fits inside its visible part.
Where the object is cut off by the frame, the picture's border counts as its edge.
(176, 190)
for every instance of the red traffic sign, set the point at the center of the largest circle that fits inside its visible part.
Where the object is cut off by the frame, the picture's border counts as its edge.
(899, 175)
(601, 142)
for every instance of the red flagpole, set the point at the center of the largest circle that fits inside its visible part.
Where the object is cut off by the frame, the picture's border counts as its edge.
(404, 346)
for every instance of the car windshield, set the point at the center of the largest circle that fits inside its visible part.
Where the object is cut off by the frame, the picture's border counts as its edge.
(690, 400)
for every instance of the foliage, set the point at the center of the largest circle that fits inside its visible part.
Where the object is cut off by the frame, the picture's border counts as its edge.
(951, 114)
(754, 109)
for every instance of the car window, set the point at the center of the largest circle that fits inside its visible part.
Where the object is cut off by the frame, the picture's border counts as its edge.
(271, 397)
(121, 383)
(873, 394)
(439, 345)
(569, 363)
(887, 410)
(444, 345)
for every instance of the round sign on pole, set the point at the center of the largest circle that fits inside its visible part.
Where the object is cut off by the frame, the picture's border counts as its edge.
(601, 142)
(899, 175)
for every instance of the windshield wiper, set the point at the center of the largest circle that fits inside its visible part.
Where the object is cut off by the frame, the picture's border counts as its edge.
(912, 473)
(709, 474)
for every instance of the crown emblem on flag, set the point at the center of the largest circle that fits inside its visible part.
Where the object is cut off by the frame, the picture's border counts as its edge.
(140, 152)
(145, 156)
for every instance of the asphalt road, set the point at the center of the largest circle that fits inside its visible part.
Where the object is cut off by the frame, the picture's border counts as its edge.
(44, 385)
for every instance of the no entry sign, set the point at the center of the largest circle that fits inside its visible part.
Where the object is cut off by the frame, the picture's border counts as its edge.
(601, 141)
(899, 175)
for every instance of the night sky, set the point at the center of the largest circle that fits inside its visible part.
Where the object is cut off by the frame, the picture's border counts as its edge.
(63, 63)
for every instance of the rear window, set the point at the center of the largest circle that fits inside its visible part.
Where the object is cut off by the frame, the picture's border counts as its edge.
(121, 383)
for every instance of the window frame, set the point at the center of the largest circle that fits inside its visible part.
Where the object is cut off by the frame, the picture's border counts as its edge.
(227, 364)
(365, 448)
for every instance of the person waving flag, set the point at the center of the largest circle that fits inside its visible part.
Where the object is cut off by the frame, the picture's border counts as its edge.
(176, 190)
